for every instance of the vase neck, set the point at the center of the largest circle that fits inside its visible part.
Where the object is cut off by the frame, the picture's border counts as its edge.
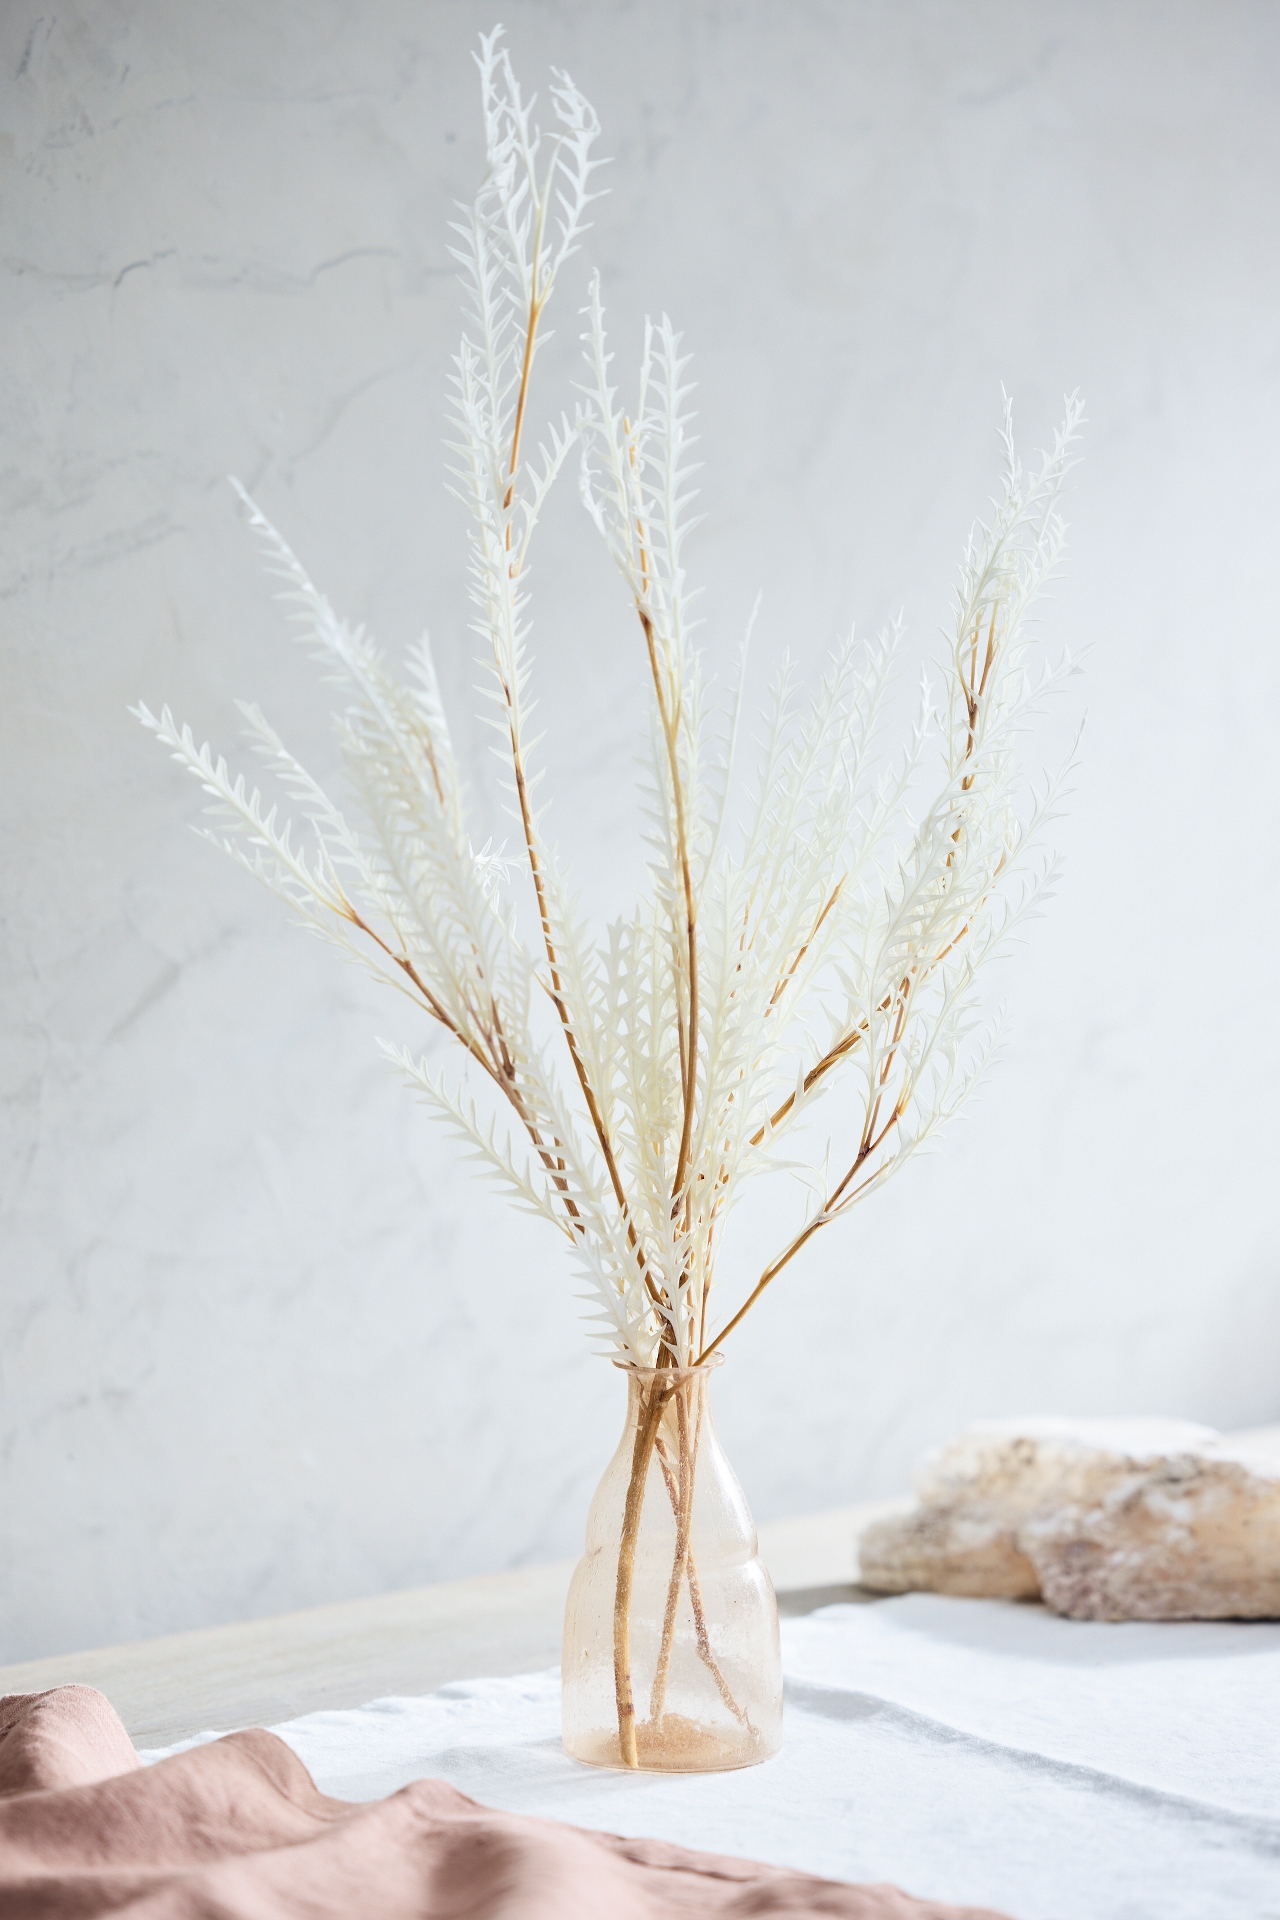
(667, 1397)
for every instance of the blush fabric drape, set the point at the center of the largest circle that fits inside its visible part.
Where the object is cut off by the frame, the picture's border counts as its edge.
(238, 1830)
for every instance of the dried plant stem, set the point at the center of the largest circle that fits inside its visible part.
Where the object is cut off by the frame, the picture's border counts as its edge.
(646, 1434)
(848, 1041)
(687, 1460)
(844, 1045)
(704, 1648)
(702, 1636)
(558, 998)
(535, 314)
(679, 1483)
(688, 1032)
(871, 1138)
(841, 1196)
(786, 979)
(501, 1069)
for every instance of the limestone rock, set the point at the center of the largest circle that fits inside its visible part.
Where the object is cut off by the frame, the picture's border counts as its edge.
(1105, 1519)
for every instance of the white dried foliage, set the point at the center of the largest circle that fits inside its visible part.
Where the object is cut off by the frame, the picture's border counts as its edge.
(832, 944)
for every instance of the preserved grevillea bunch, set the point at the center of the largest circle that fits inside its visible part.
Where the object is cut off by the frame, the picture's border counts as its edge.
(819, 941)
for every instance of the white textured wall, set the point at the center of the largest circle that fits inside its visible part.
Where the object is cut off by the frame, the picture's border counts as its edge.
(264, 1343)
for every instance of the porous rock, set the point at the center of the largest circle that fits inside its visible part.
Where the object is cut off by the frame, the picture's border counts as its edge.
(1140, 1519)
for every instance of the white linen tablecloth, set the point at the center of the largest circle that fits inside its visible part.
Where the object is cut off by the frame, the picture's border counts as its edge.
(974, 1750)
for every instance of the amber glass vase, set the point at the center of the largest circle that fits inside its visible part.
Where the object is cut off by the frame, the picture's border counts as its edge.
(671, 1657)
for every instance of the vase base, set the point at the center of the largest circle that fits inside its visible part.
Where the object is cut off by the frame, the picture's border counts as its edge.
(677, 1745)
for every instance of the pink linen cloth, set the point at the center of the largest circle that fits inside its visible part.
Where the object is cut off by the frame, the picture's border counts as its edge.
(238, 1830)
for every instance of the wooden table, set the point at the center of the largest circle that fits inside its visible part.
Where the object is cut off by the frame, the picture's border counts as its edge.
(259, 1672)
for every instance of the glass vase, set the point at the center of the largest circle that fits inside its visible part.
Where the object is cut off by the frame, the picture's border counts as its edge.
(671, 1656)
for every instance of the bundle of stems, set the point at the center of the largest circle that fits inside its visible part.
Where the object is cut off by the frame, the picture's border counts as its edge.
(828, 941)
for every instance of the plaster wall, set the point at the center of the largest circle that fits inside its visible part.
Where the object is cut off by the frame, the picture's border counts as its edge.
(264, 1339)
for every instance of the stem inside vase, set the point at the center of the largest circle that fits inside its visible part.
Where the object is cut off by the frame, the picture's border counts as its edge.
(671, 1659)
(652, 1401)
(672, 1398)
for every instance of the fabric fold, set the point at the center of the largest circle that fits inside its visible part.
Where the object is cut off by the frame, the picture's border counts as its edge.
(237, 1829)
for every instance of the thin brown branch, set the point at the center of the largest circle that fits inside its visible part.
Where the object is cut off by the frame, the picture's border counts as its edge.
(646, 1431)
(687, 1034)
(789, 975)
(702, 1636)
(536, 303)
(837, 1201)
(687, 1460)
(535, 313)
(558, 998)
(423, 733)
(670, 729)
(771, 1272)
(434, 1005)
(849, 1040)
(502, 1071)
(844, 1045)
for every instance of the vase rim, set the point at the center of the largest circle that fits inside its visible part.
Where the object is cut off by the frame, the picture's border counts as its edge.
(712, 1361)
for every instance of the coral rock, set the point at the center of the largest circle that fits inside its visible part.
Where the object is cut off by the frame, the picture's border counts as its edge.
(1104, 1519)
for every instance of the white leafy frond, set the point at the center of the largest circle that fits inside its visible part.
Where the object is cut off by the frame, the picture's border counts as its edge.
(496, 1155)
(813, 948)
